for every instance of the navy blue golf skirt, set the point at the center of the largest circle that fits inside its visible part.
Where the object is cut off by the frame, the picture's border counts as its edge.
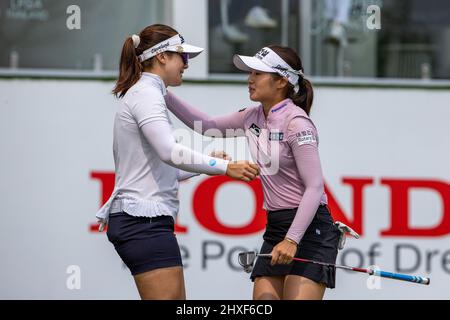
(144, 244)
(320, 243)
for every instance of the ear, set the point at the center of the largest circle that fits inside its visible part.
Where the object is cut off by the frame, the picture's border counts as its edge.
(161, 58)
(282, 83)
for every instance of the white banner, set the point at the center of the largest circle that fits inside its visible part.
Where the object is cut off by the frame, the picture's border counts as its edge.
(385, 156)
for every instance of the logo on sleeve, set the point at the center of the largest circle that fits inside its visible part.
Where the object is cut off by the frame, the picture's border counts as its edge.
(306, 137)
(255, 130)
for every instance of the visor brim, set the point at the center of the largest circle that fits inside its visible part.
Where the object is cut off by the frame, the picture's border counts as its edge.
(248, 64)
(193, 51)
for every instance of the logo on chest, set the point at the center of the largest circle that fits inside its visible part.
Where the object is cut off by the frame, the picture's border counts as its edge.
(255, 130)
(276, 136)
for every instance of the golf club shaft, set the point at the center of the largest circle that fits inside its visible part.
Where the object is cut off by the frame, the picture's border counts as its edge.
(378, 273)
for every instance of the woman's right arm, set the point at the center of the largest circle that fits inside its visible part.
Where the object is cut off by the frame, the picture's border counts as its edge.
(231, 125)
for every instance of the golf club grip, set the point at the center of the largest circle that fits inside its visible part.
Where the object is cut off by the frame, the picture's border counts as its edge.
(403, 277)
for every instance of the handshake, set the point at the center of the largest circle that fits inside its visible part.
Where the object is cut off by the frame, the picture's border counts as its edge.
(240, 170)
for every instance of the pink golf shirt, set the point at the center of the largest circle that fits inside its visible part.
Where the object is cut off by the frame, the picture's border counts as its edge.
(284, 145)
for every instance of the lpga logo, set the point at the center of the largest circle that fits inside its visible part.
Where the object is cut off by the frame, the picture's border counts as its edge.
(26, 10)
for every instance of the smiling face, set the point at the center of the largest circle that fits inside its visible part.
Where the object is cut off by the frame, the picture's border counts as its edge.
(266, 87)
(174, 68)
(169, 66)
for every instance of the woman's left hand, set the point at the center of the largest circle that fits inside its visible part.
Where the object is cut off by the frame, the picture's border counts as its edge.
(284, 252)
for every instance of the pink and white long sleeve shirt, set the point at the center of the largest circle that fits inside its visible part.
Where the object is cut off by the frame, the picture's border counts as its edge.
(284, 145)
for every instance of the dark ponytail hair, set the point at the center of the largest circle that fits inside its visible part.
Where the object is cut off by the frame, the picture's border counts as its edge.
(130, 67)
(305, 96)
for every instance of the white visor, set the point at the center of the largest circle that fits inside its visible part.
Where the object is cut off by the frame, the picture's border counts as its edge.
(266, 60)
(174, 44)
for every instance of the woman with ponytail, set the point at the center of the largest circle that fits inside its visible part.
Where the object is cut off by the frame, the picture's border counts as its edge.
(142, 209)
(284, 142)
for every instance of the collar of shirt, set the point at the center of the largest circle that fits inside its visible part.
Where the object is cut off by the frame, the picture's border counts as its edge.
(155, 81)
(276, 110)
